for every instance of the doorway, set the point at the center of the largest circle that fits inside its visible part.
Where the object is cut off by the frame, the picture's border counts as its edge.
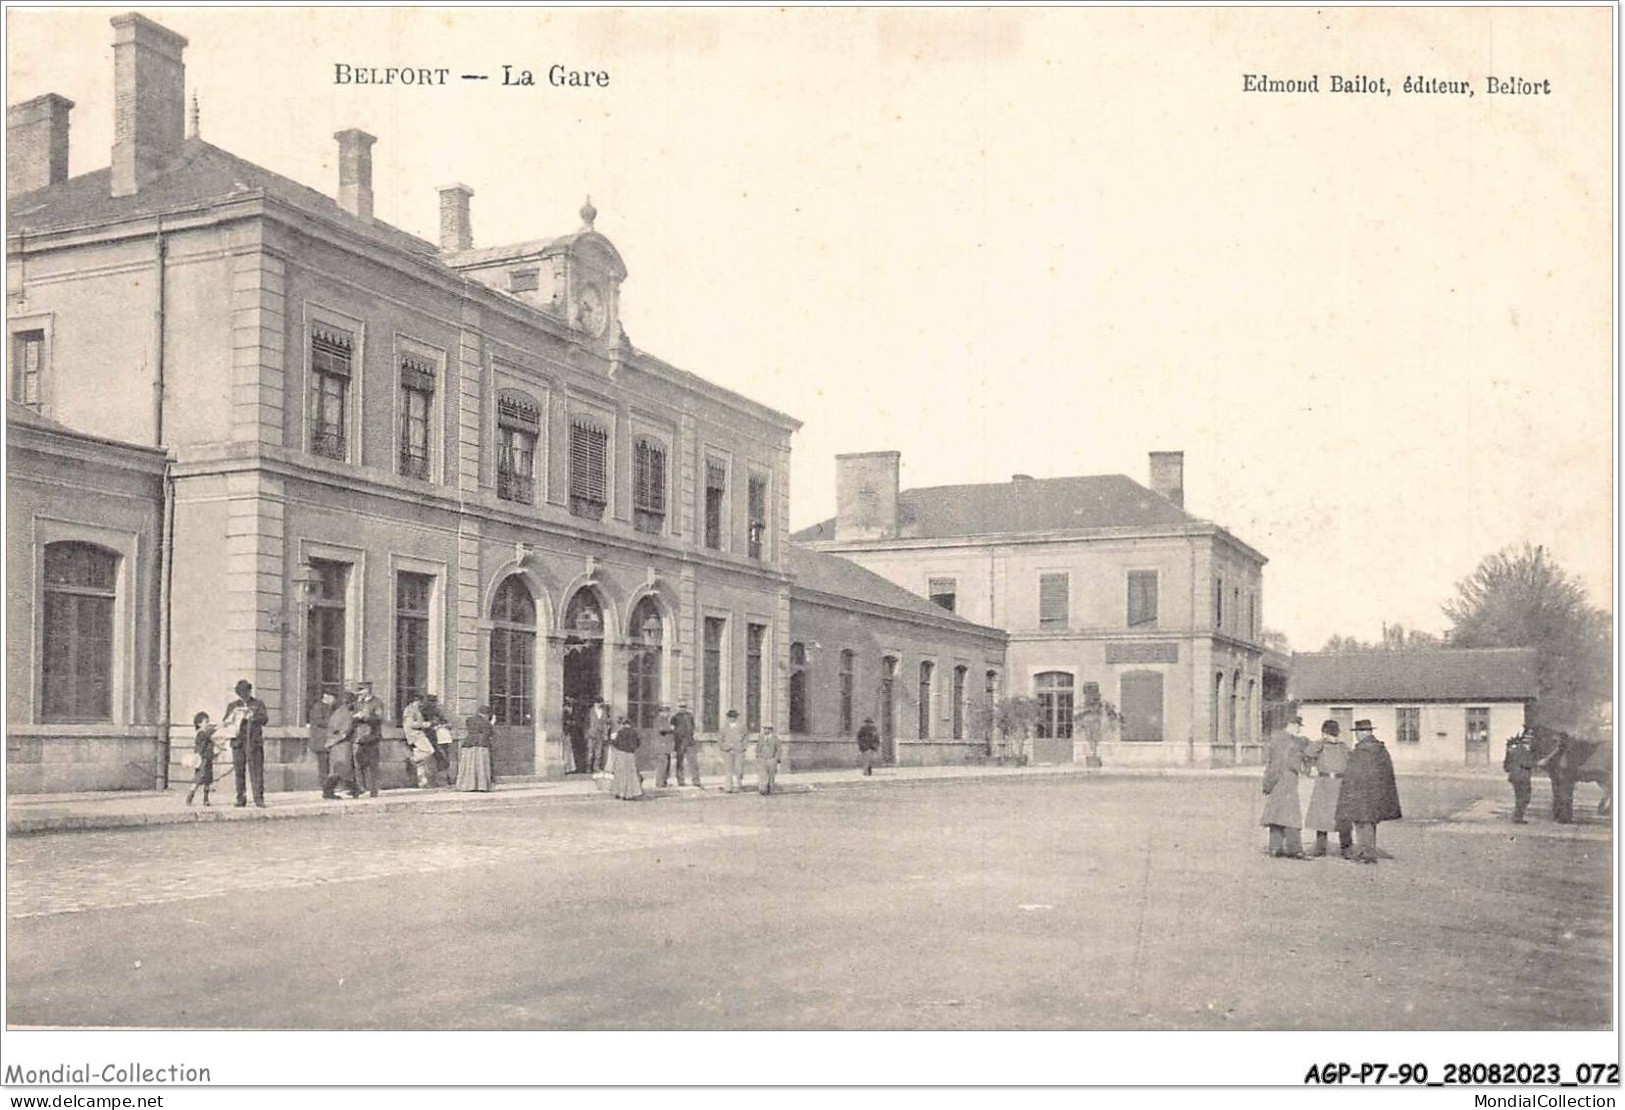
(583, 680)
(512, 677)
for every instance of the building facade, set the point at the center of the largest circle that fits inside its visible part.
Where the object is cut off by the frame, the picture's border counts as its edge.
(435, 466)
(1449, 707)
(1111, 594)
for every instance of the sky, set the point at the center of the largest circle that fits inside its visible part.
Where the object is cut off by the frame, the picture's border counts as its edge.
(1046, 242)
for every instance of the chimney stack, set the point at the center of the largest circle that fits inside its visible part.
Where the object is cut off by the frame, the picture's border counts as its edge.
(866, 495)
(37, 143)
(149, 100)
(1168, 475)
(456, 232)
(355, 171)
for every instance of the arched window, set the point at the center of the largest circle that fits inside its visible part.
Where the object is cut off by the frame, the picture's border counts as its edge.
(79, 585)
(1054, 690)
(848, 667)
(646, 643)
(798, 689)
(513, 654)
(926, 671)
(959, 702)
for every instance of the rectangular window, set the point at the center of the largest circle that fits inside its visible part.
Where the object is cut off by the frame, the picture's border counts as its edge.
(1252, 615)
(756, 495)
(1218, 603)
(716, 490)
(1140, 704)
(412, 592)
(332, 351)
(28, 369)
(1142, 599)
(79, 587)
(1344, 716)
(649, 486)
(711, 690)
(589, 469)
(848, 667)
(417, 397)
(324, 631)
(1478, 724)
(755, 636)
(959, 704)
(943, 591)
(519, 425)
(1409, 725)
(1052, 600)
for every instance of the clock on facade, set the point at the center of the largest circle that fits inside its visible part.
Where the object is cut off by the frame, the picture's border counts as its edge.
(592, 315)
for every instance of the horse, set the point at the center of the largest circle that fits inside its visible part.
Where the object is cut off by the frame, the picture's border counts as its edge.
(1570, 760)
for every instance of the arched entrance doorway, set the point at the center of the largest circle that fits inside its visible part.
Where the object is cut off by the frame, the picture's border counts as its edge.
(512, 677)
(645, 638)
(583, 668)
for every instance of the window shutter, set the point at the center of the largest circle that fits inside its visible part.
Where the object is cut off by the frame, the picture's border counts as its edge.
(1052, 599)
(716, 475)
(518, 411)
(417, 373)
(588, 470)
(649, 486)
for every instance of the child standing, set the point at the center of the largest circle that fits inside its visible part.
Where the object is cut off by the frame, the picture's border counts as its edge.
(203, 748)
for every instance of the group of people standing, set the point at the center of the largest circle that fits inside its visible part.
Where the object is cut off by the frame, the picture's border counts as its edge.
(346, 733)
(1354, 791)
(671, 743)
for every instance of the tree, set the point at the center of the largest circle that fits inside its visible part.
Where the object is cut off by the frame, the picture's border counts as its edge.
(1518, 597)
(1275, 641)
(1395, 637)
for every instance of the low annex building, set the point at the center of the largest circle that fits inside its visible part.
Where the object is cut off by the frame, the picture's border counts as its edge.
(1110, 592)
(333, 451)
(1446, 707)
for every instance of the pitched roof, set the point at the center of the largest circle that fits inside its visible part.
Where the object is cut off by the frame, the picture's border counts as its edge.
(1443, 674)
(831, 574)
(199, 173)
(1026, 505)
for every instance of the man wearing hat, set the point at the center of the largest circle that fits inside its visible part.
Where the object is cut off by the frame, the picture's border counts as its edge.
(732, 742)
(369, 736)
(1519, 764)
(1283, 813)
(1329, 758)
(1369, 795)
(248, 742)
(683, 752)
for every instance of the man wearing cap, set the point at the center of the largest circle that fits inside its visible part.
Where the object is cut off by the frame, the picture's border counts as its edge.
(731, 743)
(768, 750)
(248, 742)
(661, 746)
(1329, 758)
(1369, 795)
(1283, 812)
(369, 737)
(683, 752)
(1519, 764)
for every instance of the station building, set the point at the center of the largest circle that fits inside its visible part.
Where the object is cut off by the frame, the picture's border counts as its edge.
(308, 448)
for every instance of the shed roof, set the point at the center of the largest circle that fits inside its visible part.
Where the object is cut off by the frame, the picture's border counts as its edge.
(1443, 674)
(842, 578)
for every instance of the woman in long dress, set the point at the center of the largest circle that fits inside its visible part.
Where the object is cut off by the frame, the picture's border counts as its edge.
(474, 757)
(625, 783)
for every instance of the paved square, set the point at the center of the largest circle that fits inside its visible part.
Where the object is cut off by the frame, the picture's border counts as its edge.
(1076, 902)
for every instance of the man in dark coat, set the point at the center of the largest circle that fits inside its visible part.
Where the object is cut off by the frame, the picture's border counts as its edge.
(248, 743)
(1369, 794)
(369, 737)
(683, 751)
(868, 745)
(320, 716)
(1519, 764)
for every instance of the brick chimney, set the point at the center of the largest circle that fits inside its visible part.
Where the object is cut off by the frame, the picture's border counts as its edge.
(456, 232)
(37, 143)
(149, 100)
(866, 495)
(1168, 475)
(355, 171)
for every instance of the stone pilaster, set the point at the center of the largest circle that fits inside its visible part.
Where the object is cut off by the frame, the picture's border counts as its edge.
(258, 348)
(688, 463)
(470, 395)
(255, 605)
